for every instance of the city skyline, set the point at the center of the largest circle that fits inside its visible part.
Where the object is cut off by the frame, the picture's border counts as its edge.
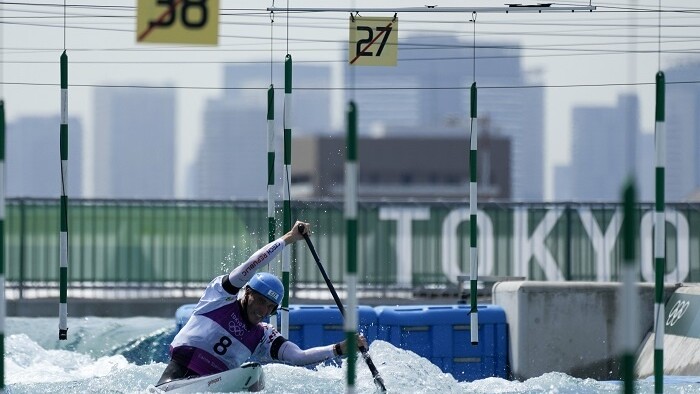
(566, 49)
(599, 157)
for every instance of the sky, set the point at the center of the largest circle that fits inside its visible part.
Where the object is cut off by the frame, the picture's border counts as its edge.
(584, 58)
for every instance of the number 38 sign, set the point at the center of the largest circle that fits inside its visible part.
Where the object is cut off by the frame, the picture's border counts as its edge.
(373, 41)
(178, 21)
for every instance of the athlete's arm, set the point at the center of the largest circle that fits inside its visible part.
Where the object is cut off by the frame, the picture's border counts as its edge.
(287, 351)
(290, 353)
(242, 274)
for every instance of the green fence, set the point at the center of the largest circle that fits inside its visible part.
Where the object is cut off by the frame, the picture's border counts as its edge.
(402, 246)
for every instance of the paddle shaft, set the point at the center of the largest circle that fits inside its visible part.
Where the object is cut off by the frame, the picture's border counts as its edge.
(365, 354)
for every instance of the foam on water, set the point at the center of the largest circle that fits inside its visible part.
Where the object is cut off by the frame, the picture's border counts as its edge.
(112, 356)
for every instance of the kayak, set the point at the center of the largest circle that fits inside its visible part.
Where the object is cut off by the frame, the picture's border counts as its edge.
(248, 377)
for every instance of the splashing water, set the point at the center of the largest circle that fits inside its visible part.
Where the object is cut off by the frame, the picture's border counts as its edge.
(126, 355)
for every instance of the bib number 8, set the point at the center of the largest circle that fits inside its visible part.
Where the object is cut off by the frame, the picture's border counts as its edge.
(221, 347)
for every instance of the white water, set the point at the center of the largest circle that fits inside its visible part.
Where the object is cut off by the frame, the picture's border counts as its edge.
(110, 355)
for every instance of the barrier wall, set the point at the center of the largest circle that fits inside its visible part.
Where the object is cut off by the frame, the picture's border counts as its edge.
(570, 327)
(440, 333)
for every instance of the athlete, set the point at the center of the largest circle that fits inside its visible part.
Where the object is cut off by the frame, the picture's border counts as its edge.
(227, 326)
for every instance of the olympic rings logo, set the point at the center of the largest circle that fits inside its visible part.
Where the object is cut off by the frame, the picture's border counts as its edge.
(235, 326)
(678, 310)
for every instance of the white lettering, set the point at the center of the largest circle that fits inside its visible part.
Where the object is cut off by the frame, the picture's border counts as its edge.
(404, 217)
(525, 247)
(682, 268)
(602, 245)
(450, 243)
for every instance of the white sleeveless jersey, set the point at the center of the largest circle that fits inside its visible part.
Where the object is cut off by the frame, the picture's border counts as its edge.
(217, 338)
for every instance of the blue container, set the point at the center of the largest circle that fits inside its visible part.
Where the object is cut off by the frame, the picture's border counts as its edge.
(442, 335)
(318, 325)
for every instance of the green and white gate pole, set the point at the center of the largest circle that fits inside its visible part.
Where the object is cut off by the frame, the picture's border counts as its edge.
(659, 233)
(287, 209)
(63, 291)
(2, 245)
(351, 179)
(629, 299)
(271, 224)
(473, 262)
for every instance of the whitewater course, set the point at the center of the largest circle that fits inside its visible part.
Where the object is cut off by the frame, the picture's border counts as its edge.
(535, 337)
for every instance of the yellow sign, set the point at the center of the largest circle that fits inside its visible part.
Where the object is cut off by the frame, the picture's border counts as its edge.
(178, 21)
(373, 41)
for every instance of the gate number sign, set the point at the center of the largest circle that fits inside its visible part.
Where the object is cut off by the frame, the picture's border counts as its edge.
(178, 21)
(373, 41)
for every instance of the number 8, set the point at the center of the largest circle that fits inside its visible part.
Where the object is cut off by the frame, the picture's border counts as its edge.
(221, 347)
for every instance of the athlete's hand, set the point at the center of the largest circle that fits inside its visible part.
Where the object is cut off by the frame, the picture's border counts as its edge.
(297, 232)
(360, 340)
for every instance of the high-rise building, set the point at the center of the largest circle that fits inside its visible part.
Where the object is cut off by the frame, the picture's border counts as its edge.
(247, 85)
(604, 146)
(232, 158)
(33, 157)
(607, 145)
(430, 87)
(646, 164)
(134, 143)
(682, 132)
(563, 183)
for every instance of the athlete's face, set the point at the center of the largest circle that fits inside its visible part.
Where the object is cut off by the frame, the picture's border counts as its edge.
(259, 307)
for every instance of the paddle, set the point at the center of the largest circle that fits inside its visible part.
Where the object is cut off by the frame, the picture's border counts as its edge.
(365, 354)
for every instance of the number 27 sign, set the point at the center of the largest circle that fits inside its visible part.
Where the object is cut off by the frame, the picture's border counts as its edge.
(373, 41)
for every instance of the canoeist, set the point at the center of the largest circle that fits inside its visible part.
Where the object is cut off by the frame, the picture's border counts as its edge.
(227, 326)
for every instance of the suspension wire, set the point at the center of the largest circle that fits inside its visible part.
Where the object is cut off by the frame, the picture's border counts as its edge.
(474, 47)
(287, 38)
(352, 68)
(2, 51)
(352, 72)
(272, 22)
(659, 29)
(64, 25)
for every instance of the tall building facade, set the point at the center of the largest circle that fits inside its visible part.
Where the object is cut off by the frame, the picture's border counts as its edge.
(134, 143)
(232, 157)
(231, 162)
(430, 87)
(33, 159)
(607, 144)
(682, 132)
(604, 148)
(247, 84)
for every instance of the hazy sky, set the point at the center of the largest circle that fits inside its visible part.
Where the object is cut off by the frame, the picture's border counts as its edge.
(585, 58)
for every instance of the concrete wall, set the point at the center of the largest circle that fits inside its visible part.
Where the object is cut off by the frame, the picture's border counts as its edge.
(681, 344)
(569, 327)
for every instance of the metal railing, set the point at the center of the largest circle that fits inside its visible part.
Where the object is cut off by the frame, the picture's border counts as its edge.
(161, 248)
